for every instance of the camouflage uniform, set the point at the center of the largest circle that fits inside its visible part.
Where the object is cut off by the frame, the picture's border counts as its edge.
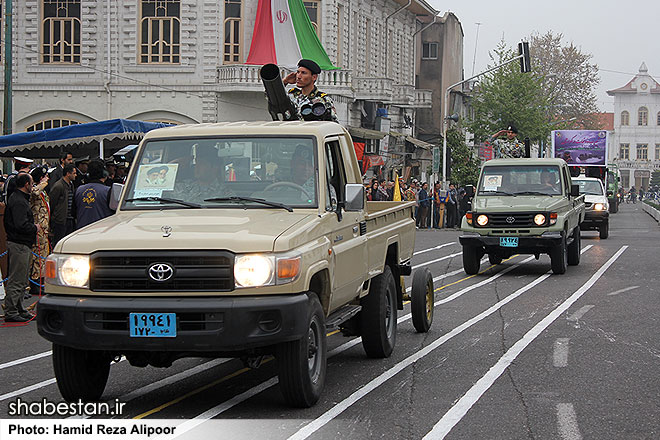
(299, 99)
(508, 148)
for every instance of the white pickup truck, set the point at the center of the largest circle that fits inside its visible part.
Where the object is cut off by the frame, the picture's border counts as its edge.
(232, 240)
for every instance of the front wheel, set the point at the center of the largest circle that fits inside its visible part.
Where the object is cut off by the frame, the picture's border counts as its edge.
(422, 300)
(559, 257)
(604, 231)
(378, 316)
(302, 363)
(471, 260)
(80, 374)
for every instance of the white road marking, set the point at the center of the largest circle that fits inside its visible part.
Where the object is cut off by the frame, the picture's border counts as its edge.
(446, 275)
(33, 387)
(580, 313)
(465, 403)
(567, 422)
(25, 359)
(623, 290)
(213, 412)
(435, 248)
(439, 259)
(560, 355)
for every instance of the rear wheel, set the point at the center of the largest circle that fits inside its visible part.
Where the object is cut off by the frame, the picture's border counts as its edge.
(302, 363)
(574, 248)
(378, 316)
(80, 374)
(604, 230)
(471, 260)
(494, 259)
(559, 257)
(422, 300)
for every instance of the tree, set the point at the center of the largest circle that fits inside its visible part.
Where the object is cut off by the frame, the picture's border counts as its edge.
(655, 178)
(569, 77)
(464, 166)
(507, 96)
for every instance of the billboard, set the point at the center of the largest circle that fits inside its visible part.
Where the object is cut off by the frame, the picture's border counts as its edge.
(580, 147)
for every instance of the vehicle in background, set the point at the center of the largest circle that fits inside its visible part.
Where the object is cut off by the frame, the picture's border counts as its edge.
(612, 187)
(597, 215)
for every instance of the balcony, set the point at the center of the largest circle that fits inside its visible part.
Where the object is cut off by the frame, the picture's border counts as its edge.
(373, 89)
(408, 96)
(638, 164)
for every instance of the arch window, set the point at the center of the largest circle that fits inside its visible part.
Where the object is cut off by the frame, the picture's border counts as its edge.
(625, 118)
(51, 123)
(60, 32)
(160, 31)
(643, 116)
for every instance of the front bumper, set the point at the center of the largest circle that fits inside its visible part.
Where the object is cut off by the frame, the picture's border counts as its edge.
(526, 244)
(594, 219)
(220, 324)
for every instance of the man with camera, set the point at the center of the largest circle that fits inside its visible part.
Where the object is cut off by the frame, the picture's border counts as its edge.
(310, 102)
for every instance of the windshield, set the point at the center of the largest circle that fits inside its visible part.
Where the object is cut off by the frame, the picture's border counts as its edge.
(589, 187)
(520, 180)
(227, 172)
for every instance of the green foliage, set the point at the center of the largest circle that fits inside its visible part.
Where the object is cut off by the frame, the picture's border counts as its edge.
(655, 205)
(507, 96)
(464, 165)
(655, 178)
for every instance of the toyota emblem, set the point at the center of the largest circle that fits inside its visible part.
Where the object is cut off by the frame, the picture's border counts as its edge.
(160, 272)
(510, 220)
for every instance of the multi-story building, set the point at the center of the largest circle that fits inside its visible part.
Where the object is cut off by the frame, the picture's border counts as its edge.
(636, 141)
(183, 61)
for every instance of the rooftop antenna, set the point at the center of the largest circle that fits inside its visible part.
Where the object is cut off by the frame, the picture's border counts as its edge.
(476, 40)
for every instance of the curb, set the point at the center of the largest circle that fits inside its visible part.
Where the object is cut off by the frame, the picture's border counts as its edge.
(650, 210)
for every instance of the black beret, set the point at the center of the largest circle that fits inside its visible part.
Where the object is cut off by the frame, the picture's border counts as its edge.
(311, 65)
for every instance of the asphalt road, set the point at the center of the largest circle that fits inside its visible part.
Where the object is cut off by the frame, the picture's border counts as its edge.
(513, 353)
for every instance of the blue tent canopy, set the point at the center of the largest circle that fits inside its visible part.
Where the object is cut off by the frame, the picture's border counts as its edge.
(79, 139)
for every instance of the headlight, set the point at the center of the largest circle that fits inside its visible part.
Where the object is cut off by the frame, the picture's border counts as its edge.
(539, 219)
(68, 270)
(258, 270)
(482, 220)
(599, 207)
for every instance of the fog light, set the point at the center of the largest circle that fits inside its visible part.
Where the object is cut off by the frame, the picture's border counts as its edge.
(54, 320)
(269, 322)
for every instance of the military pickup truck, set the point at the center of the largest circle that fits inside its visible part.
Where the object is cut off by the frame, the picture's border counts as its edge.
(232, 240)
(523, 206)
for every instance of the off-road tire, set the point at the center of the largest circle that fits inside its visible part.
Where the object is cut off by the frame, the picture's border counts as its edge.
(604, 231)
(574, 248)
(302, 364)
(494, 259)
(559, 257)
(378, 316)
(471, 260)
(422, 300)
(80, 374)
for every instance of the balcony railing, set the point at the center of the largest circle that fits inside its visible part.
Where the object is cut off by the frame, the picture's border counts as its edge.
(373, 89)
(639, 164)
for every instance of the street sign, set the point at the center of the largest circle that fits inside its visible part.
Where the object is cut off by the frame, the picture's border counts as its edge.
(436, 159)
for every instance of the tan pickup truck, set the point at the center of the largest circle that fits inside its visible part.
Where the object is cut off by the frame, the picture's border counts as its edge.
(232, 240)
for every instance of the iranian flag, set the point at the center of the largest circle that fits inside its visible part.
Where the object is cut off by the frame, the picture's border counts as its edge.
(283, 34)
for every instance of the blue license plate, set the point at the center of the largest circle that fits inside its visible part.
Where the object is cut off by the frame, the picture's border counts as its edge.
(509, 241)
(152, 325)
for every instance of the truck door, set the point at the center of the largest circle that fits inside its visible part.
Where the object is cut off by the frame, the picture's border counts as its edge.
(349, 250)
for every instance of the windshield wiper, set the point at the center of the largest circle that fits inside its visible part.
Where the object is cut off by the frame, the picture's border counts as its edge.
(250, 199)
(534, 193)
(504, 193)
(164, 200)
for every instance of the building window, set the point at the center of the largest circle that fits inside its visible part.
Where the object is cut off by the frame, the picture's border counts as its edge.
(429, 51)
(624, 151)
(60, 32)
(657, 151)
(160, 29)
(625, 118)
(232, 45)
(312, 8)
(658, 118)
(642, 151)
(643, 116)
(51, 123)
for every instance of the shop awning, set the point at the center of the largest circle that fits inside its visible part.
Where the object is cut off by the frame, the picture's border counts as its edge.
(365, 133)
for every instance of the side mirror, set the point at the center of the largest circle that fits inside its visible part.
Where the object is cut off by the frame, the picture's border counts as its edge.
(354, 197)
(610, 194)
(115, 195)
(575, 190)
(469, 190)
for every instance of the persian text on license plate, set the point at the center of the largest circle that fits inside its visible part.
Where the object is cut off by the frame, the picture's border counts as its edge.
(152, 325)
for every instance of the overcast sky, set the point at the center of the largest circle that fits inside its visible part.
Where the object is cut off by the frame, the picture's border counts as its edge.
(619, 35)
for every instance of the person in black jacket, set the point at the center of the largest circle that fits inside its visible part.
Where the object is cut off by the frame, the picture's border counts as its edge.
(21, 235)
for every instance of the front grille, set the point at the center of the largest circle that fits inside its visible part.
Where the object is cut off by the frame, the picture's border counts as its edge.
(518, 220)
(192, 271)
(192, 321)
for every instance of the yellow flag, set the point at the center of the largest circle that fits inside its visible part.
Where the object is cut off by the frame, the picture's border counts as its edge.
(397, 190)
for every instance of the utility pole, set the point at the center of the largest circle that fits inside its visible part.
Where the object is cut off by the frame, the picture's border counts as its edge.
(7, 117)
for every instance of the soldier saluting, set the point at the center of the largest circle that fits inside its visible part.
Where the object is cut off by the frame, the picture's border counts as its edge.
(306, 94)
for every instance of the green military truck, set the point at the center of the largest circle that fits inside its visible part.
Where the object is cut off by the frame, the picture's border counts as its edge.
(613, 183)
(523, 206)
